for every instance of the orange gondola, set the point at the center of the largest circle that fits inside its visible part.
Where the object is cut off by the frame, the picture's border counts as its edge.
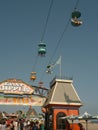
(33, 76)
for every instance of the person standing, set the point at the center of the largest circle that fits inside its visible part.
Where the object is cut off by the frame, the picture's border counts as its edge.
(3, 125)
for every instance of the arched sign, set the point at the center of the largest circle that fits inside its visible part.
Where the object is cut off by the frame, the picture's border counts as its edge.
(17, 92)
(14, 86)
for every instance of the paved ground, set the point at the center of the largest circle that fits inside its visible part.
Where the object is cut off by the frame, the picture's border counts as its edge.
(91, 126)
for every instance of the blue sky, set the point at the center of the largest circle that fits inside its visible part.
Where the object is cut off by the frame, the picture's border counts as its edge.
(21, 26)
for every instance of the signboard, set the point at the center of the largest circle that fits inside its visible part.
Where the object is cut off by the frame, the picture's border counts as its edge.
(14, 86)
(17, 92)
(32, 101)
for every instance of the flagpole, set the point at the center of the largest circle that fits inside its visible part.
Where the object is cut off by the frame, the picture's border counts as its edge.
(60, 68)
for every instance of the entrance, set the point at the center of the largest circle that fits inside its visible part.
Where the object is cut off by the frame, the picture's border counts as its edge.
(61, 124)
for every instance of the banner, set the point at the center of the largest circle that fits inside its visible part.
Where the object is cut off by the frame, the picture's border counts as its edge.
(17, 92)
(14, 86)
(31, 101)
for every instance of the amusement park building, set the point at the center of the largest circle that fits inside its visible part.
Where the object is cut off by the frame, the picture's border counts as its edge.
(62, 100)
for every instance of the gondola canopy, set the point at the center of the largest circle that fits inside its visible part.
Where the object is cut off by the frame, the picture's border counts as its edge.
(76, 14)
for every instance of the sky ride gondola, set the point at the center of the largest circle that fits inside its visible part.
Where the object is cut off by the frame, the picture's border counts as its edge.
(42, 49)
(50, 69)
(33, 76)
(75, 21)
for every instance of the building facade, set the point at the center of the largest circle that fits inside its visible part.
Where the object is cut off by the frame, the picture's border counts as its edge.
(62, 101)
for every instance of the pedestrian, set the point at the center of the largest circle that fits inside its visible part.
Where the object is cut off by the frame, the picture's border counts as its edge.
(81, 126)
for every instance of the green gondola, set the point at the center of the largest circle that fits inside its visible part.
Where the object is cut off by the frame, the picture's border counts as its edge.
(42, 49)
(74, 20)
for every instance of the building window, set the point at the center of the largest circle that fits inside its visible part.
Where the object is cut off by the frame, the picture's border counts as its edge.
(61, 123)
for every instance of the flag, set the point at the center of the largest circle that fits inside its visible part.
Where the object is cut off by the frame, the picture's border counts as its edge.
(58, 61)
(51, 66)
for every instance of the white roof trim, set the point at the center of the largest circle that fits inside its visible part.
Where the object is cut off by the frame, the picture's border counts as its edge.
(61, 103)
(54, 91)
(75, 92)
(64, 80)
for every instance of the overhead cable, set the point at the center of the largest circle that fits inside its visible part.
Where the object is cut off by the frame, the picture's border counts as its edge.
(47, 19)
(61, 37)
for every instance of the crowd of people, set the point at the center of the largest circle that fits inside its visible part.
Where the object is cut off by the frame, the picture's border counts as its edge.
(21, 124)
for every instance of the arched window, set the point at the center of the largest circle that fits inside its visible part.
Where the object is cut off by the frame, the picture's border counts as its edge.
(60, 123)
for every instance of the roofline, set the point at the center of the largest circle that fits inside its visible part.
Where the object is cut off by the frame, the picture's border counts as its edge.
(60, 80)
(75, 104)
(64, 80)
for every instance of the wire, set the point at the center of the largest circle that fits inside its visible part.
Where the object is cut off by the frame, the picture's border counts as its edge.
(44, 31)
(61, 37)
(76, 5)
(59, 41)
(47, 19)
(35, 63)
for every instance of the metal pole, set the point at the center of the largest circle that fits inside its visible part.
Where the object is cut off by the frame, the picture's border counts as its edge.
(86, 124)
(72, 125)
(60, 67)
